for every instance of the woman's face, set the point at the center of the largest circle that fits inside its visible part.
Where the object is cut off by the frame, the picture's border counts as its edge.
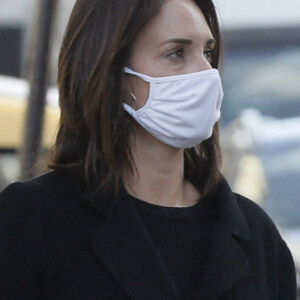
(177, 41)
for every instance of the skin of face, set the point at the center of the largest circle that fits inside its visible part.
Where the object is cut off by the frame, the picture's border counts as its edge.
(177, 41)
(158, 50)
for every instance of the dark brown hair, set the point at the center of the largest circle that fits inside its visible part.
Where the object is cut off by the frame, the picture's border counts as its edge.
(92, 143)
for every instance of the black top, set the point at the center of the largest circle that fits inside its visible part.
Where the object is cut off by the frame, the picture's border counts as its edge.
(182, 236)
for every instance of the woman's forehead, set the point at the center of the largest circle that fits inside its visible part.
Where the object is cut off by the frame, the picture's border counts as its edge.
(177, 19)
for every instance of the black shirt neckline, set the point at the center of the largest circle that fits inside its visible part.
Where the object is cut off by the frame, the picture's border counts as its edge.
(202, 209)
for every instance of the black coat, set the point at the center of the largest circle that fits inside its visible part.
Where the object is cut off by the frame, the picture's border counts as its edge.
(58, 243)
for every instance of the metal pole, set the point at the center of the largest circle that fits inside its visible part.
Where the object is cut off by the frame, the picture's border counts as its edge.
(37, 96)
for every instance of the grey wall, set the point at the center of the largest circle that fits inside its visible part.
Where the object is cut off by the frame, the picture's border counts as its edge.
(12, 11)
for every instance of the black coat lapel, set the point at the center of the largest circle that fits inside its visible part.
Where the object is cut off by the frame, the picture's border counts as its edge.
(226, 262)
(125, 247)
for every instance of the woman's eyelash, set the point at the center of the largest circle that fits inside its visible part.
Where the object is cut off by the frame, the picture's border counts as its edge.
(180, 53)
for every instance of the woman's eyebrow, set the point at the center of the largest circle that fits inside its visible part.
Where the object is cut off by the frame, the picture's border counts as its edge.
(185, 41)
(211, 42)
(177, 41)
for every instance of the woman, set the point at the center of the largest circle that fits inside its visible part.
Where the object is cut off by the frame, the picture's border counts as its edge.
(136, 207)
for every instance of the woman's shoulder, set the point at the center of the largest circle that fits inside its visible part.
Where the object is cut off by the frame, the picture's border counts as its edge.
(47, 188)
(45, 182)
(239, 211)
(260, 223)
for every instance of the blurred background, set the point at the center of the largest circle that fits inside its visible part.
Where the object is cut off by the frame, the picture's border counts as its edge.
(260, 126)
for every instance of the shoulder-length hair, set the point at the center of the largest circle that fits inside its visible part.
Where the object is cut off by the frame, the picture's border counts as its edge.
(93, 141)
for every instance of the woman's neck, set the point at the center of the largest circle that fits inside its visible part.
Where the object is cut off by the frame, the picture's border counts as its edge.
(159, 174)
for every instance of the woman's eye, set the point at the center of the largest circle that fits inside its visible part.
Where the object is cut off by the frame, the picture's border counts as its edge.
(177, 54)
(209, 54)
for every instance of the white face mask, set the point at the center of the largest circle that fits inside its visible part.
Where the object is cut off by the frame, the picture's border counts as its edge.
(181, 110)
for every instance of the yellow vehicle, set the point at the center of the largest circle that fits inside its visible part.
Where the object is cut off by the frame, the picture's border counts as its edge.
(13, 108)
(13, 105)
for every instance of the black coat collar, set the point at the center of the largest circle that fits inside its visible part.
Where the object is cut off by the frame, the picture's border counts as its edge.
(229, 214)
(125, 247)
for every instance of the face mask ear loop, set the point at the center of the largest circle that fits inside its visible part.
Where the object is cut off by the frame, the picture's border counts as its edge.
(140, 75)
(129, 109)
